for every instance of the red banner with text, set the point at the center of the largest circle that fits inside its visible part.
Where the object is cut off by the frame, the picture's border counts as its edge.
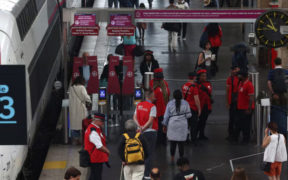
(113, 81)
(128, 83)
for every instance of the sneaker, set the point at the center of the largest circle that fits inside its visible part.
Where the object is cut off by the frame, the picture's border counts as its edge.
(146, 177)
(184, 39)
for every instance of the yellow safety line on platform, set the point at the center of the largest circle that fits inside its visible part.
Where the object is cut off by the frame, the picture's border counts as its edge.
(55, 165)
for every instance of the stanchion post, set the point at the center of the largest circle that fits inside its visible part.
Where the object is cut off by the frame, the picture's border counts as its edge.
(148, 76)
(257, 119)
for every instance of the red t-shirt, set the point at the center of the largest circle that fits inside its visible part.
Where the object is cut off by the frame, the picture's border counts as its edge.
(245, 89)
(235, 86)
(203, 95)
(160, 102)
(193, 91)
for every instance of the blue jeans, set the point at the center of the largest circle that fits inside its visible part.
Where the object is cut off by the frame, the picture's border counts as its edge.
(151, 138)
(279, 116)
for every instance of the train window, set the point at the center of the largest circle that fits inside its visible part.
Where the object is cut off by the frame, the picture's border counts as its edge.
(26, 18)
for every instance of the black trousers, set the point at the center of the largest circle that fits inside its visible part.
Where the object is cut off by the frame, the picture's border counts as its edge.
(243, 124)
(173, 145)
(214, 66)
(192, 123)
(96, 171)
(202, 121)
(232, 118)
(183, 30)
(227, 2)
(161, 136)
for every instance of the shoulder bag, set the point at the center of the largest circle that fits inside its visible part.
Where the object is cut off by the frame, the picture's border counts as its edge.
(88, 105)
(266, 166)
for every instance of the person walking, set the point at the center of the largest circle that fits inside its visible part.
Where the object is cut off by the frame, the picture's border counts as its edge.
(95, 144)
(133, 150)
(129, 44)
(239, 174)
(205, 95)
(275, 151)
(222, 2)
(72, 174)
(141, 25)
(111, 2)
(205, 59)
(175, 123)
(245, 107)
(190, 93)
(215, 38)
(145, 118)
(172, 36)
(277, 86)
(78, 98)
(162, 94)
(232, 83)
(181, 4)
(149, 64)
(186, 172)
(85, 69)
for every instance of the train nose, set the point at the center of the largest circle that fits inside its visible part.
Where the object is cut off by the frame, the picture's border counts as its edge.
(4, 89)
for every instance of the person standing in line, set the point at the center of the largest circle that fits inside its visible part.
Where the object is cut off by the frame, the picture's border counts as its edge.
(133, 165)
(72, 174)
(232, 83)
(149, 64)
(95, 144)
(275, 151)
(145, 118)
(162, 94)
(205, 59)
(205, 95)
(78, 97)
(191, 95)
(239, 174)
(175, 123)
(277, 85)
(181, 4)
(214, 35)
(111, 2)
(245, 107)
(186, 173)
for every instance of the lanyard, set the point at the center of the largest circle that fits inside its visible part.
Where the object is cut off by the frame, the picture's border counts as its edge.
(149, 67)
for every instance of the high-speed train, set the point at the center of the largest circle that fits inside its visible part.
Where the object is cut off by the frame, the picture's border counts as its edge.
(30, 35)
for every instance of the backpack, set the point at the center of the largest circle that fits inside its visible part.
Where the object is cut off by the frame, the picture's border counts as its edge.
(278, 83)
(203, 39)
(134, 152)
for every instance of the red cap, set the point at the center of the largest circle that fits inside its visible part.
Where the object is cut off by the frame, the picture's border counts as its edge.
(148, 52)
(158, 70)
(200, 71)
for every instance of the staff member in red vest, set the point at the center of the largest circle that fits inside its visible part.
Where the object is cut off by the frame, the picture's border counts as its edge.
(231, 99)
(162, 94)
(205, 95)
(191, 95)
(245, 106)
(95, 144)
(145, 118)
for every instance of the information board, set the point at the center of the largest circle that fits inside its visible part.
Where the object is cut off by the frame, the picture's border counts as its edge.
(85, 20)
(13, 113)
(121, 20)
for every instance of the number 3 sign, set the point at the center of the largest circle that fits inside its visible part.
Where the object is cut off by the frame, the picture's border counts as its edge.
(13, 116)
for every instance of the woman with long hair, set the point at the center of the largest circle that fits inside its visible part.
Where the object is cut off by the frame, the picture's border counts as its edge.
(205, 59)
(149, 63)
(175, 123)
(162, 93)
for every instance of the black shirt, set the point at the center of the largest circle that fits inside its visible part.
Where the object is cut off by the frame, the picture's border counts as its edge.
(190, 175)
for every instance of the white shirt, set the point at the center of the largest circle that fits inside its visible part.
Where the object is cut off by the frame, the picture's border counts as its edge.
(183, 5)
(207, 54)
(270, 154)
(95, 138)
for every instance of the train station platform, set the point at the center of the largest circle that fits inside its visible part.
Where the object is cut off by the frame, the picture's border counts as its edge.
(212, 157)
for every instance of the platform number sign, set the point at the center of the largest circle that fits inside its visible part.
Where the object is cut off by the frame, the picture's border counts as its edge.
(13, 116)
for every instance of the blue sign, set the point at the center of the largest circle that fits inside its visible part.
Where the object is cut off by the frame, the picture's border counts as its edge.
(138, 94)
(102, 94)
(13, 116)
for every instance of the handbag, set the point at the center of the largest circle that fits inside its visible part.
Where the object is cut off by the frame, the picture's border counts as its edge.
(120, 49)
(138, 50)
(174, 27)
(266, 166)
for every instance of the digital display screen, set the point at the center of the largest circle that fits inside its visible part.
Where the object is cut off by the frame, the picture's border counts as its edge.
(102, 94)
(138, 94)
(13, 114)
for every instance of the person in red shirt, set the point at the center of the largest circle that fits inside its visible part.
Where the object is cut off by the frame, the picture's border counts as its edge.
(158, 73)
(231, 99)
(145, 118)
(95, 144)
(191, 95)
(245, 106)
(162, 93)
(205, 95)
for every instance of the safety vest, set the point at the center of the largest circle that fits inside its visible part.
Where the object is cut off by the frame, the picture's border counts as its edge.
(96, 155)
(143, 113)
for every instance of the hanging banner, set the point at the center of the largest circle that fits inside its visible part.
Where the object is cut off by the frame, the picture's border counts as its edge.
(85, 31)
(128, 83)
(120, 25)
(85, 25)
(92, 80)
(113, 80)
(85, 20)
(13, 113)
(198, 16)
